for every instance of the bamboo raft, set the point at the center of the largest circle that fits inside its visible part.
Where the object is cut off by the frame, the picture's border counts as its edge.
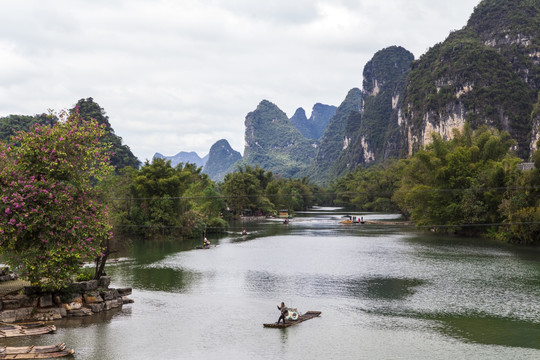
(301, 318)
(14, 330)
(35, 352)
(200, 247)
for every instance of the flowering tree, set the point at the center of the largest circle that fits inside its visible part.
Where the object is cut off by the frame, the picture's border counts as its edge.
(51, 219)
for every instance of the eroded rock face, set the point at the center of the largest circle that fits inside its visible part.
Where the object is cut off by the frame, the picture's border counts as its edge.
(82, 299)
(372, 134)
(535, 131)
(487, 73)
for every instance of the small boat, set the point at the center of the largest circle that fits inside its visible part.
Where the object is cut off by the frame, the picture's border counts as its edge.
(13, 330)
(347, 219)
(35, 352)
(291, 322)
(283, 213)
(205, 247)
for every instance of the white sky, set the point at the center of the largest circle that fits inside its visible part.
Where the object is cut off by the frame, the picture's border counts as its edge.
(179, 75)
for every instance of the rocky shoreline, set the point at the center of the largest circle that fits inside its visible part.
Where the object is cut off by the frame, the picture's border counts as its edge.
(84, 298)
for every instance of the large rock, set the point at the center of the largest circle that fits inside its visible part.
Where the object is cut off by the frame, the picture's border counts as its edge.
(98, 307)
(124, 291)
(110, 294)
(89, 285)
(11, 316)
(92, 297)
(104, 282)
(46, 300)
(11, 302)
(74, 305)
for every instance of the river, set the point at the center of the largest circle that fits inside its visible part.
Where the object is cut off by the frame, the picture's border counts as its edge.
(385, 292)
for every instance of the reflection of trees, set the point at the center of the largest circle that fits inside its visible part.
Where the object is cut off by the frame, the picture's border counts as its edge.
(332, 286)
(162, 279)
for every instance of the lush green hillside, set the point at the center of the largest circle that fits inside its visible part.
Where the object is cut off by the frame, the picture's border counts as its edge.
(274, 144)
(486, 73)
(121, 155)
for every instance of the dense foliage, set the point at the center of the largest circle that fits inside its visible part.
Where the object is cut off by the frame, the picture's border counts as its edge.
(51, 217)
(369, 189)
(502, 17)
(469, 185)
(254, 191)
(161, 200)
(458, 182)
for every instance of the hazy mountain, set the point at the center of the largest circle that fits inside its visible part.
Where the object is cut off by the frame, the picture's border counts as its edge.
(222, 160)
(314, 127)
(184, 157)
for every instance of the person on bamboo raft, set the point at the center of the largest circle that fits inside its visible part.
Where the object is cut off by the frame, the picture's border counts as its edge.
(284, 311)
(206, 243)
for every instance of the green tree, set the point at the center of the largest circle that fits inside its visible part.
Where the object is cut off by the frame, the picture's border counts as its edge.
(165, 200)
(457, 182)
(242, 190)
(51, 217)
(369, 189)
(521, 206)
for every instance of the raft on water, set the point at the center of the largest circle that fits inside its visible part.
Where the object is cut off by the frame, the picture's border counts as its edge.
(304, 317)
(35, 352)
(205, 247)
(14, 330)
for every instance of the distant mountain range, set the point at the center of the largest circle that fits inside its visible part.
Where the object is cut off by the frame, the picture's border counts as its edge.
(184, 157)
(485, 74)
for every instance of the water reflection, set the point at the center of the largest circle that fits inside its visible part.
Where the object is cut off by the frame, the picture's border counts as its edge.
(163, 279)
(377, 288)
(385, 292)
(389, 288)
(471, 327)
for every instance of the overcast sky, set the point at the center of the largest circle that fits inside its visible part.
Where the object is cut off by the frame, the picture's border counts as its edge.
(179, 75)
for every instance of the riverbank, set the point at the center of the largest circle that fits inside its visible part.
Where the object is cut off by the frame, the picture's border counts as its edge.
(83, 298)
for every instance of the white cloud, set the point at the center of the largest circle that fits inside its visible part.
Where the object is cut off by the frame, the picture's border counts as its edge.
(179, 75)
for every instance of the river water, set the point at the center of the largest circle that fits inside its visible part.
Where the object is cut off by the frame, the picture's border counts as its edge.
(385, 292)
